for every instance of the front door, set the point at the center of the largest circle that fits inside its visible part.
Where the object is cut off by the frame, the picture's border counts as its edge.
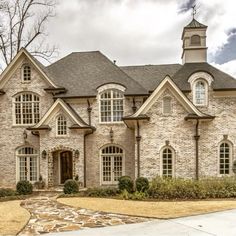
(66, 166)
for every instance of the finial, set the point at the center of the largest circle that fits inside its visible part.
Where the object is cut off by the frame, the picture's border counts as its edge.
(194, 11)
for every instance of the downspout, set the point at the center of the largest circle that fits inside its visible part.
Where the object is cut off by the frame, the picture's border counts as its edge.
(89, 109)
(138, 139)
(196, 137)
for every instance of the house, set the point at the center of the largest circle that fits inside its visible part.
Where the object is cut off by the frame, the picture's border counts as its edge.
(84, 117)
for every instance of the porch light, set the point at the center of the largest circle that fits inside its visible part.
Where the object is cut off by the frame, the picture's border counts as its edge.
(77, 153)
(44, 154)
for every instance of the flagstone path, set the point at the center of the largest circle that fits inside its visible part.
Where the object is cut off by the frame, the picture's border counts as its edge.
(48, 215)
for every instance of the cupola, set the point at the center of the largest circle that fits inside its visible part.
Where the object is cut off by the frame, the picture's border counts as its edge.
(194, 42)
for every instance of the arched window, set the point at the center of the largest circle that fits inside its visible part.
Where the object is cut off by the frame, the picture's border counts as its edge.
(26, 107)
(61, 125)
(112, 162)
(195, 40)
(26, 73)
(200, 93)
(111, 106)
(166, 105)
(167, 162)
(224, 158)
(27, 158)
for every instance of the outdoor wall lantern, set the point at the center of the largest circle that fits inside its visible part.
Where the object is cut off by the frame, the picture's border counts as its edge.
(44, 154)
(77, 153)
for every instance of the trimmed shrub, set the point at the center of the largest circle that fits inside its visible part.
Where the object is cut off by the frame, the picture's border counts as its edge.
(71, 186)
(24, 187)
(142, 184)
(6, 192)
(167, 188)
(101, 192)
(125, 183)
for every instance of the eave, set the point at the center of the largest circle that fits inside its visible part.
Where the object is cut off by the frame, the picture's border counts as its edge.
(43, 127)
(55, 90)
(131, 121)
(75, 126)
(195, 117)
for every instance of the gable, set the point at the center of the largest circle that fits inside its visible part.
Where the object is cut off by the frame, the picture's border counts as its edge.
(167, 83)
(60, 107)
(16, 63)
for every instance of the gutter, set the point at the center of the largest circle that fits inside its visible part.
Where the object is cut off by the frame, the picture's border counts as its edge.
(197, 137)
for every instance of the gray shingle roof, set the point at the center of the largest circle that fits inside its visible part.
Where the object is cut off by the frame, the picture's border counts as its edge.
(150, 76)
(195, 24)
(82, 73)
(222, 81)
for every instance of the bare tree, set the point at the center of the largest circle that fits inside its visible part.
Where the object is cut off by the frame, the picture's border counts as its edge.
(23, 25)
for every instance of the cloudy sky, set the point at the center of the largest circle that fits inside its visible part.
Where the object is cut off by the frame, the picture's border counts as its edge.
(135, 32)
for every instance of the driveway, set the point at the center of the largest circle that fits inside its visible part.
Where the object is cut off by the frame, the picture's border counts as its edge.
(220, 224)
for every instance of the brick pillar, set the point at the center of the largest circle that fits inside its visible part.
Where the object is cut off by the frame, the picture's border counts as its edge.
(50, 170)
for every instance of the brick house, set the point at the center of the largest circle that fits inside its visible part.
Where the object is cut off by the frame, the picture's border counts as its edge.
(83, 116)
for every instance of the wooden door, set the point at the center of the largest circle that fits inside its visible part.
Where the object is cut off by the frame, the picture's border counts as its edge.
(66, 166)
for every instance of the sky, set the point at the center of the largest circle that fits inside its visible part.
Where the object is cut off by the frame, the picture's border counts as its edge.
(138, 32)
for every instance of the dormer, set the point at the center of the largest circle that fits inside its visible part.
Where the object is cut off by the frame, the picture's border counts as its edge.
(194, 43)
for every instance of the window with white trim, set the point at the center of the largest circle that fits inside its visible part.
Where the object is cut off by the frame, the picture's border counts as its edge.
(200, 93)
(61, 125)
(167, 162)
(111, 106)
(27, 158)
(224, 158)
(26, 73)
(166, 105)
(111, 164)
(26, 108)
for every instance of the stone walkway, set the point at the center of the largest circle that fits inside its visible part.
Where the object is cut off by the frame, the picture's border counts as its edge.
(47, 215)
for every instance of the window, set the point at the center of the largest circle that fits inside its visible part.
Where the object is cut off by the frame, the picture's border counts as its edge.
(195, 40)
(26, 107)
(26, 73)
(61, 125)
(200, 93)
(167, 162)
(27, 158)
(111, 164)
(111, 106)
(225, 154)
(166, 105)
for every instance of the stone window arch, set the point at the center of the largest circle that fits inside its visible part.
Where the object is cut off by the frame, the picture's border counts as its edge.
(167, 161)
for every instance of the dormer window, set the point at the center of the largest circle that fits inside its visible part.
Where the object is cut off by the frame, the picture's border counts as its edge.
(195, 40)
(200, 93)
(26, 73)
(111, 106)
(61, 126)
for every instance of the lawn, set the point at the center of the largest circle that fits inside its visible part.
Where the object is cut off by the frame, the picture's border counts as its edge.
(12, 217)
(157, 209)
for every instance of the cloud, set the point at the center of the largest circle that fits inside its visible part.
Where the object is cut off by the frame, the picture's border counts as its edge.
(228, 67)
(186, 5)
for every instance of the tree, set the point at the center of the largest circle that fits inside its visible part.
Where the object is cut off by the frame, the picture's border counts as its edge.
(23, 25)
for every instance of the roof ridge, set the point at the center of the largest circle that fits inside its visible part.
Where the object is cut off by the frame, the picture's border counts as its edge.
(171, 64)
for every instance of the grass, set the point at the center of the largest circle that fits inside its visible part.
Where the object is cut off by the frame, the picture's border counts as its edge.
(157, 209)
(12, 217)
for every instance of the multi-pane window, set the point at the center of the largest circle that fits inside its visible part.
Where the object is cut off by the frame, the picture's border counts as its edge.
(26, 73)
(26, 109)
(167, 162)
(111, 106)
(200, 93)
(166, 105)
(111, 164)
(61, 125)
(28, 164)
(224, 158)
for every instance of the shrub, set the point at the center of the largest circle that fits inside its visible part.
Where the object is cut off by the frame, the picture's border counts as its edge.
(125, 183)
(24, 187)
(5, 192)
(71, 186)
(167, 188)
(101, 192)
(142, 184)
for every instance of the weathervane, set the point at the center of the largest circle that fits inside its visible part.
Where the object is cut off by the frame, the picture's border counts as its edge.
(194, 10)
